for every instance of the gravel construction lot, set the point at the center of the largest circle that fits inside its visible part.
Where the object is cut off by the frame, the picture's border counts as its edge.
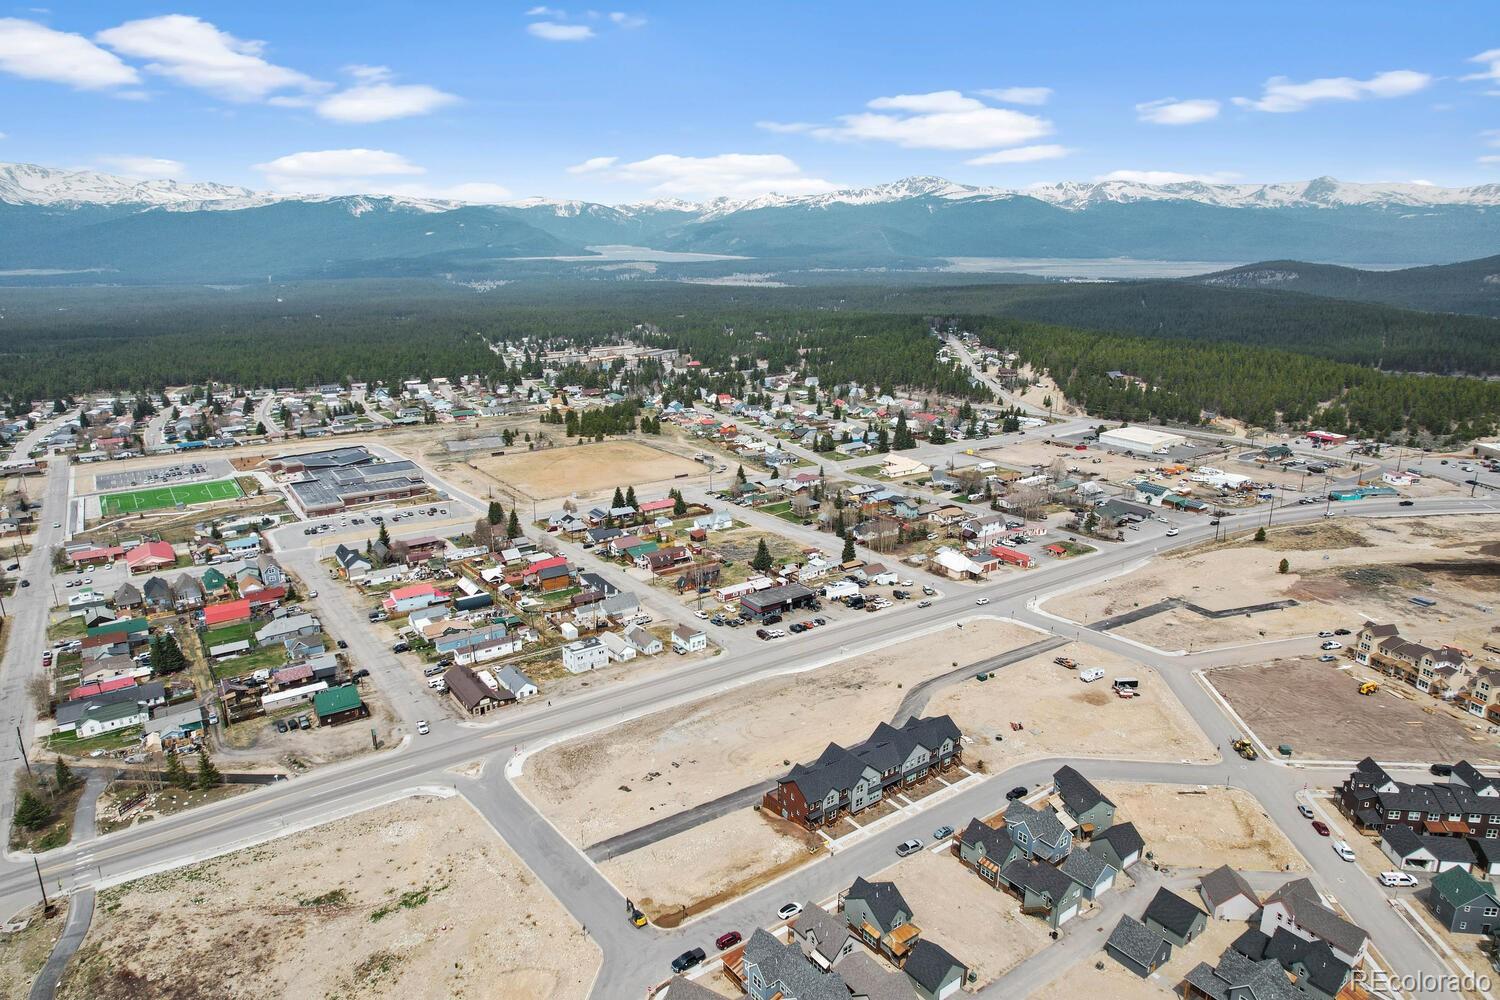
(1118, 983)
(418, 899)
(1343, 572)
(606, 783)
(676, 878)
(1186, 826)
(1032, 454)
(256, 744)
(587, 469)
(1317, 708)
(979, 925)
(1063, 715)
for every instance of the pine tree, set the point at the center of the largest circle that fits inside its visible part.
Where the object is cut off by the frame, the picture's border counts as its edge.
(31, 812)
(496, 513)
(1284, 567)
(208, 774)
(63, 775)
(739, 474)
(384, 537)
(618, 500)
(848, 554)
(513, 526)
(177, 775)
(630, 497)
(762, 561)
(679, 505)
(1260, 534)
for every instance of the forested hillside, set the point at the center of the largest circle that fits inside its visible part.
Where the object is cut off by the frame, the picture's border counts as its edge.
(1471, 286)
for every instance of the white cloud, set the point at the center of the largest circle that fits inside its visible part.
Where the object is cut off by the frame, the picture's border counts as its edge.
(144, 166)
(1283, 95)
(476, 192)
(623, 20)
(369, 74)
(37, 52)
(1491, 61)
(943, 119)
(787, 128)
(378, 102)
(737, 174)
(593, 164)
(1018, 95)
(1422, 182)
(196, 53)
(1490, 160)
(4, 136)
(546, 12)
(552, 31)
(340, 163)
(1491, 136)
(1171, 111)
(1021, 154)
(1167, 177)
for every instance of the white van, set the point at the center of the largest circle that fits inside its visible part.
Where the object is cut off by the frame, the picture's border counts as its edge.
(1091, 675)
(437, 683)
(1343, 850)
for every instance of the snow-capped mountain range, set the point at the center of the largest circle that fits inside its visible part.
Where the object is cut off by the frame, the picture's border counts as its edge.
(82, 222)
(30, 184)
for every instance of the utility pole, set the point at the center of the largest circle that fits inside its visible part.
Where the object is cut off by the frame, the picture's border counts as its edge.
(22, 744)
(40, 884)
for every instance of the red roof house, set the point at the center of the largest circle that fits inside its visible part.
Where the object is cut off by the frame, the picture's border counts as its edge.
(150, 555)
(100, 687)
(226, 613)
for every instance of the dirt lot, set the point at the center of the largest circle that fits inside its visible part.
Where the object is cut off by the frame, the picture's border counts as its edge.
(676, 878)
(977, 924)
(1118, 983)
(1185, 826)
(586, 469)
(673, 760)
(1049, 701)
(414, 900)
(1029, 454)
(1317, 708)
(1342, 572)
(22, 955)
(256, 744)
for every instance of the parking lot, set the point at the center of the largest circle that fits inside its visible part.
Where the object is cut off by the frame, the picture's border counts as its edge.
(165, 475)
(823, 613)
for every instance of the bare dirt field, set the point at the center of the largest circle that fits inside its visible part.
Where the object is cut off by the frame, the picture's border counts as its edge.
(1030, 454)
(676, 878)
(1317, 708)
(256, 745)
(1186, 826)
(585, 469)
(1341, 573)
(414, 900)
(1118, 983)
(606, 783)
(1051, 703)
(956, 909)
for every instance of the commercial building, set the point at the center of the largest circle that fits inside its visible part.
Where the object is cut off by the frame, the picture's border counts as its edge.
(1141, 440)
(326, 482)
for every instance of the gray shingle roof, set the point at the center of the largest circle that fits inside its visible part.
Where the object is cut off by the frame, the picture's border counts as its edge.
(928, 964)
(1265, 979)
(1135, 940)
(1123, 837)
(883, 898)
(1307, 908)
(1172, 912)
(1084, 868)
(821, 931)
(1318, 962)
(1078, 794)
(1037, 877)
(786, 965)
(1224, 883)
(1043, 824)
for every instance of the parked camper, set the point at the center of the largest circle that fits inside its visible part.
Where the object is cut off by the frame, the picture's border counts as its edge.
(1091, 675)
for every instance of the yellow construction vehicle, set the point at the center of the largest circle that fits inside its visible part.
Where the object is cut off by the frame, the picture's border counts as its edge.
(1369, 687)
(1245, 749)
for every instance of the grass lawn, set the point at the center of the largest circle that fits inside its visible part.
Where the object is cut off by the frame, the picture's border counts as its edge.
(264, 658)
(868, 471)
(71, 745)
(59, 830)
(1074, 548)
(229, 633)
(158, 497)
(67, 628)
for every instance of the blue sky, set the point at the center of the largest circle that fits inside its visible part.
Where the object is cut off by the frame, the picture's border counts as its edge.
(493, 101)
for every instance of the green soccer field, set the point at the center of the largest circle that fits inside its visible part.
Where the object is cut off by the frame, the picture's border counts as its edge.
(159, 497)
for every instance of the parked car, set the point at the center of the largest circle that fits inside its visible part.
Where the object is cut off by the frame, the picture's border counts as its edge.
(1328, 658)
(798, 628)
(281, 725)
(1330, 644)
(360, 674)
(1340, 631)
(304, 722)
(1305, 810)
(1321, 827)
(688, 959)
(761, 633)
(1441, 770)
(1325, 635)
(1398, 880)
(423, 728)
(907, 847)
(942, 833)
(924, 604)
(1343, 850)
(1019, 792)
(343, 644)
(727, 940)
(400, 647)
(927, 591)
(789, 910)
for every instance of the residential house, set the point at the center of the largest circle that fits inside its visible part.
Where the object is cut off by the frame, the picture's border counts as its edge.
(644, 642)
(473, 695)
(127, 598)
(214, 583)
(1044, 891)
(271, 573)
(1174, 918)
(1425, 852)
(108, 718)
(1137, 947)
(987, 849)
(516, 682)
(1121, 845)
(585, 654)
(935, 973)
(619, 650)
(226, 613)
(771, 970)
(1088, 806)
(287, 627)
(686, 639)
(1236, 977)
(1466, 805)
(71, 712)
(1093, 874)
(1298, 908)
(352, 562)
(404, 600)
(149, 556)
(156, 594)
(851, 780)
(1227, 895)
(1038, 832)
(337, 705)
(823, 937)
(1463, 904)
(1314, 969)
(186, 593)
(878, 915)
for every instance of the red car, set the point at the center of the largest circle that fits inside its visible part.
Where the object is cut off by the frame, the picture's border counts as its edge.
(728, 940)
(1321, 827)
